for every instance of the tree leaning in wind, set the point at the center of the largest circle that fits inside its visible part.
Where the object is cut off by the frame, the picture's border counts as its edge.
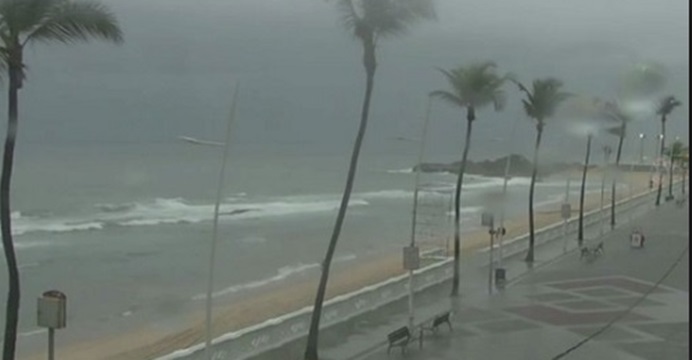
(472, 87)
(665, 107)
(676, 155)
(540, 104)
(23, 23)
(613, 112)
(369, 21)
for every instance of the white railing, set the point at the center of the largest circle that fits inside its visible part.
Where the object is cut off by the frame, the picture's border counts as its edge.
(276, 332)
(273, 333)
(553, 232)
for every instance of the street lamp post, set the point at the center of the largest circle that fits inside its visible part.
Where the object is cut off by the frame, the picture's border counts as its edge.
(566, 214)
(505, 180)
(606, 155)
(641, 148)
(632, 181)
(215, 226)
(412, 245)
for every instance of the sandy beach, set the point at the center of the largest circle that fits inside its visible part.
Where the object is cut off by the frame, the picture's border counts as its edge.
(150, 342)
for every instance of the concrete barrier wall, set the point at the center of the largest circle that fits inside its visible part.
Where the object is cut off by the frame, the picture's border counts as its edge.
(556, 232)
(276, 332)
(279, 331)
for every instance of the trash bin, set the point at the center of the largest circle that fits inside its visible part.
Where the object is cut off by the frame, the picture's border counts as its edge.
(500, 277)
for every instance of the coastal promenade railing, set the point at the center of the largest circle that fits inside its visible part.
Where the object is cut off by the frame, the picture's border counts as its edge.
(273, 333)
(592, 218)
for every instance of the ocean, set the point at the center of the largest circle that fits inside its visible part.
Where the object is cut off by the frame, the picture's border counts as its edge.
(124, 230)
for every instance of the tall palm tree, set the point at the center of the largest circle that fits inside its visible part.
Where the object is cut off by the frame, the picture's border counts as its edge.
(472, 87)
(612, 111)
(665, 107)
(24, 23)
(685, 165)
(676, 153)
(540, 104)
(368, 21)
(587, 116)
(582, 193)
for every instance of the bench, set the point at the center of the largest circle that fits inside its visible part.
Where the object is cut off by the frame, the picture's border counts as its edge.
(399, 337)
(590, 253)
(438, 320)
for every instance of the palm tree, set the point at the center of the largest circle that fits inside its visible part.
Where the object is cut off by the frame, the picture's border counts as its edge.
(613, 112)
(587, 115)
(472, 87)
(369, 21)
(676, 153)
(665, 107)
(23, 23)
(541, 102)
(582, 193)
(684, 166)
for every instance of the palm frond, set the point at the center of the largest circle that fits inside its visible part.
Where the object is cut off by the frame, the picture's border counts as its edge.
(477, 85)
(389, 17)
(543, 99)
(76, 21)
(618, 131)
(349, 17)
(448, 97)
(22, 15)
(667, 105)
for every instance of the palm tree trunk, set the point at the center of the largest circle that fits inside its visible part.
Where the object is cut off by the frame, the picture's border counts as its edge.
(658, 168)
(532, 228)
(580, 236)
(370, 64)
(670, 175)
(12, 306)
(684, 178)
(612, 190)
(470, 117)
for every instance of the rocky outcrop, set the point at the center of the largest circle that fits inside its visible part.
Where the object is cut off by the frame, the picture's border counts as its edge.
(520, 167)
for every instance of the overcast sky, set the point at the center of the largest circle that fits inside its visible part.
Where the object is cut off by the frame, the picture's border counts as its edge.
(302, 82)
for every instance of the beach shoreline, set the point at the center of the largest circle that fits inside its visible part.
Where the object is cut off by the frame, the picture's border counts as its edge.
(150, 342)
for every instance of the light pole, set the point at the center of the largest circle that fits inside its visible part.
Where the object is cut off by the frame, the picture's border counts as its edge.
(412, 245)
(641, 148)
(606, 155)
(215, 227)
(655, 160)
(508, 164)
(566, 213)
(659, 159)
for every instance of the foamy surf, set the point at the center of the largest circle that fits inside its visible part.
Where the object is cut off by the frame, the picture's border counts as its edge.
(171, 211)
(401, 171)
(282, 274)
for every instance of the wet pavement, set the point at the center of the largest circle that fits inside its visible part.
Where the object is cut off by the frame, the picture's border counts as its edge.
(628, 304)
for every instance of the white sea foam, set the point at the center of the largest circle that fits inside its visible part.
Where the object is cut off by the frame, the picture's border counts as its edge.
(171, 211)
(282, 274)
(33, 332)
(401, 171)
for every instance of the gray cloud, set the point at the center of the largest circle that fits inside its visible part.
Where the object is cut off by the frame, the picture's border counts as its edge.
(301, 77)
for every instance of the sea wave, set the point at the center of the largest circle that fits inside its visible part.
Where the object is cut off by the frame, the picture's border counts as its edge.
(170, 211)
(282, 274)
(401, 171)
(238, 206)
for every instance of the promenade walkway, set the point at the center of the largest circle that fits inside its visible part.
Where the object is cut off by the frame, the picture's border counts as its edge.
(628, 304)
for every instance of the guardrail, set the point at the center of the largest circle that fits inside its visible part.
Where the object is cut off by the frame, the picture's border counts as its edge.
(276, 332)
(273, 333)
(555, 231)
